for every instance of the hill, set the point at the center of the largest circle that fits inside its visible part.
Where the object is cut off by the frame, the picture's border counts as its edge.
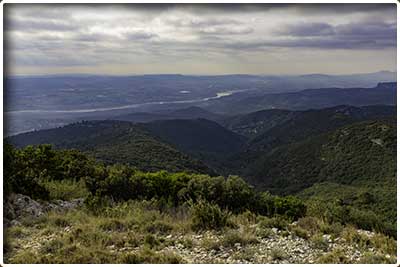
(257, 125)
(269, 129)
(196, 136)
(114, 142)
(354, 166)
(382, 94)
(360, 153)
(299, 125)
(185, 113)
(204, 139)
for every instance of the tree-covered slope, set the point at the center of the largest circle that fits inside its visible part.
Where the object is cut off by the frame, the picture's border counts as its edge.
(313, 122)
(270, 129)
(369, 202)
(361, 153)
(256, 123)
(115, 142)
(185, 113)
(271, 122)
(197, 136)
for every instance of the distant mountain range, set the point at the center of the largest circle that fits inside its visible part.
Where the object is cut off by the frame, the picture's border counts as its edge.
(41, 102)
(382, 94)
(191, 112)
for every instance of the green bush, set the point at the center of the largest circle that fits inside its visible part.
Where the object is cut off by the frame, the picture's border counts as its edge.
(65, 189)
(300, 232)
(233, 237)
(149, 256)
(278, 222)
(209, 216)
(290, 207)
(319, 242)
(158, 226)
(278, 254)
(38, 170)
(21, 175)
(151, 241)
(334, 257)
(113, 225)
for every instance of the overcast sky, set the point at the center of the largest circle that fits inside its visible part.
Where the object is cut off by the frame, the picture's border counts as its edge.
(200, 39)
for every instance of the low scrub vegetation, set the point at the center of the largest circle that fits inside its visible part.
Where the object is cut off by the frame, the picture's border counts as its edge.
(44, 173)
(146, 213)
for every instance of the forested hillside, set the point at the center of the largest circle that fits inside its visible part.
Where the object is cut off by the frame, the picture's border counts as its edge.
(201, 138)
(185, 113)
(356, 154)
(115, 142)
(356, 164)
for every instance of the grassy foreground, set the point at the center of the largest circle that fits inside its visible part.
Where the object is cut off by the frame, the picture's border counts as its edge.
(149, 232)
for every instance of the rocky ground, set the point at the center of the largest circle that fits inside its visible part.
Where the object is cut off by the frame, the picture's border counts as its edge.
(19, 206)
(229, 246)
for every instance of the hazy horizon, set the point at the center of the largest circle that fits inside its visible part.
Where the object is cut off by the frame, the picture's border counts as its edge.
(199, 39)
(202, 74)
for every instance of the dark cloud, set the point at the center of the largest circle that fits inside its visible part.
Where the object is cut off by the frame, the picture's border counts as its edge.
(342, 8)
(306, 8)
(200, 22)
(320, 43)
(139, 35)
(307, 29)
(91, 37)
(361, 34)
(365, 29)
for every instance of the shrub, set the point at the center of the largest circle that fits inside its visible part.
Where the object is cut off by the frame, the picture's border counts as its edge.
(300, 232)
(113, 225)
(371, 258)
(26, 169)
(61, 222)
(149, 256)
(209, 216)
(311, 224)
(278, 222)
(319, 242)
(290, 207)
(352, 236)
(335, 256)
(130, 258)
(246, 254)
(247, 218)
(384, 244)
(334, 229)
(159, 226)
(233, 237)
(151, 241)
(65, 189)
(211, 244)
(20, 173)
(278, 254)
(52, 246)
(264, 232)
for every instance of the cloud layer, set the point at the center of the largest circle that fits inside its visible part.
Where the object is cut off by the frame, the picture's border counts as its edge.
(190, 38)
